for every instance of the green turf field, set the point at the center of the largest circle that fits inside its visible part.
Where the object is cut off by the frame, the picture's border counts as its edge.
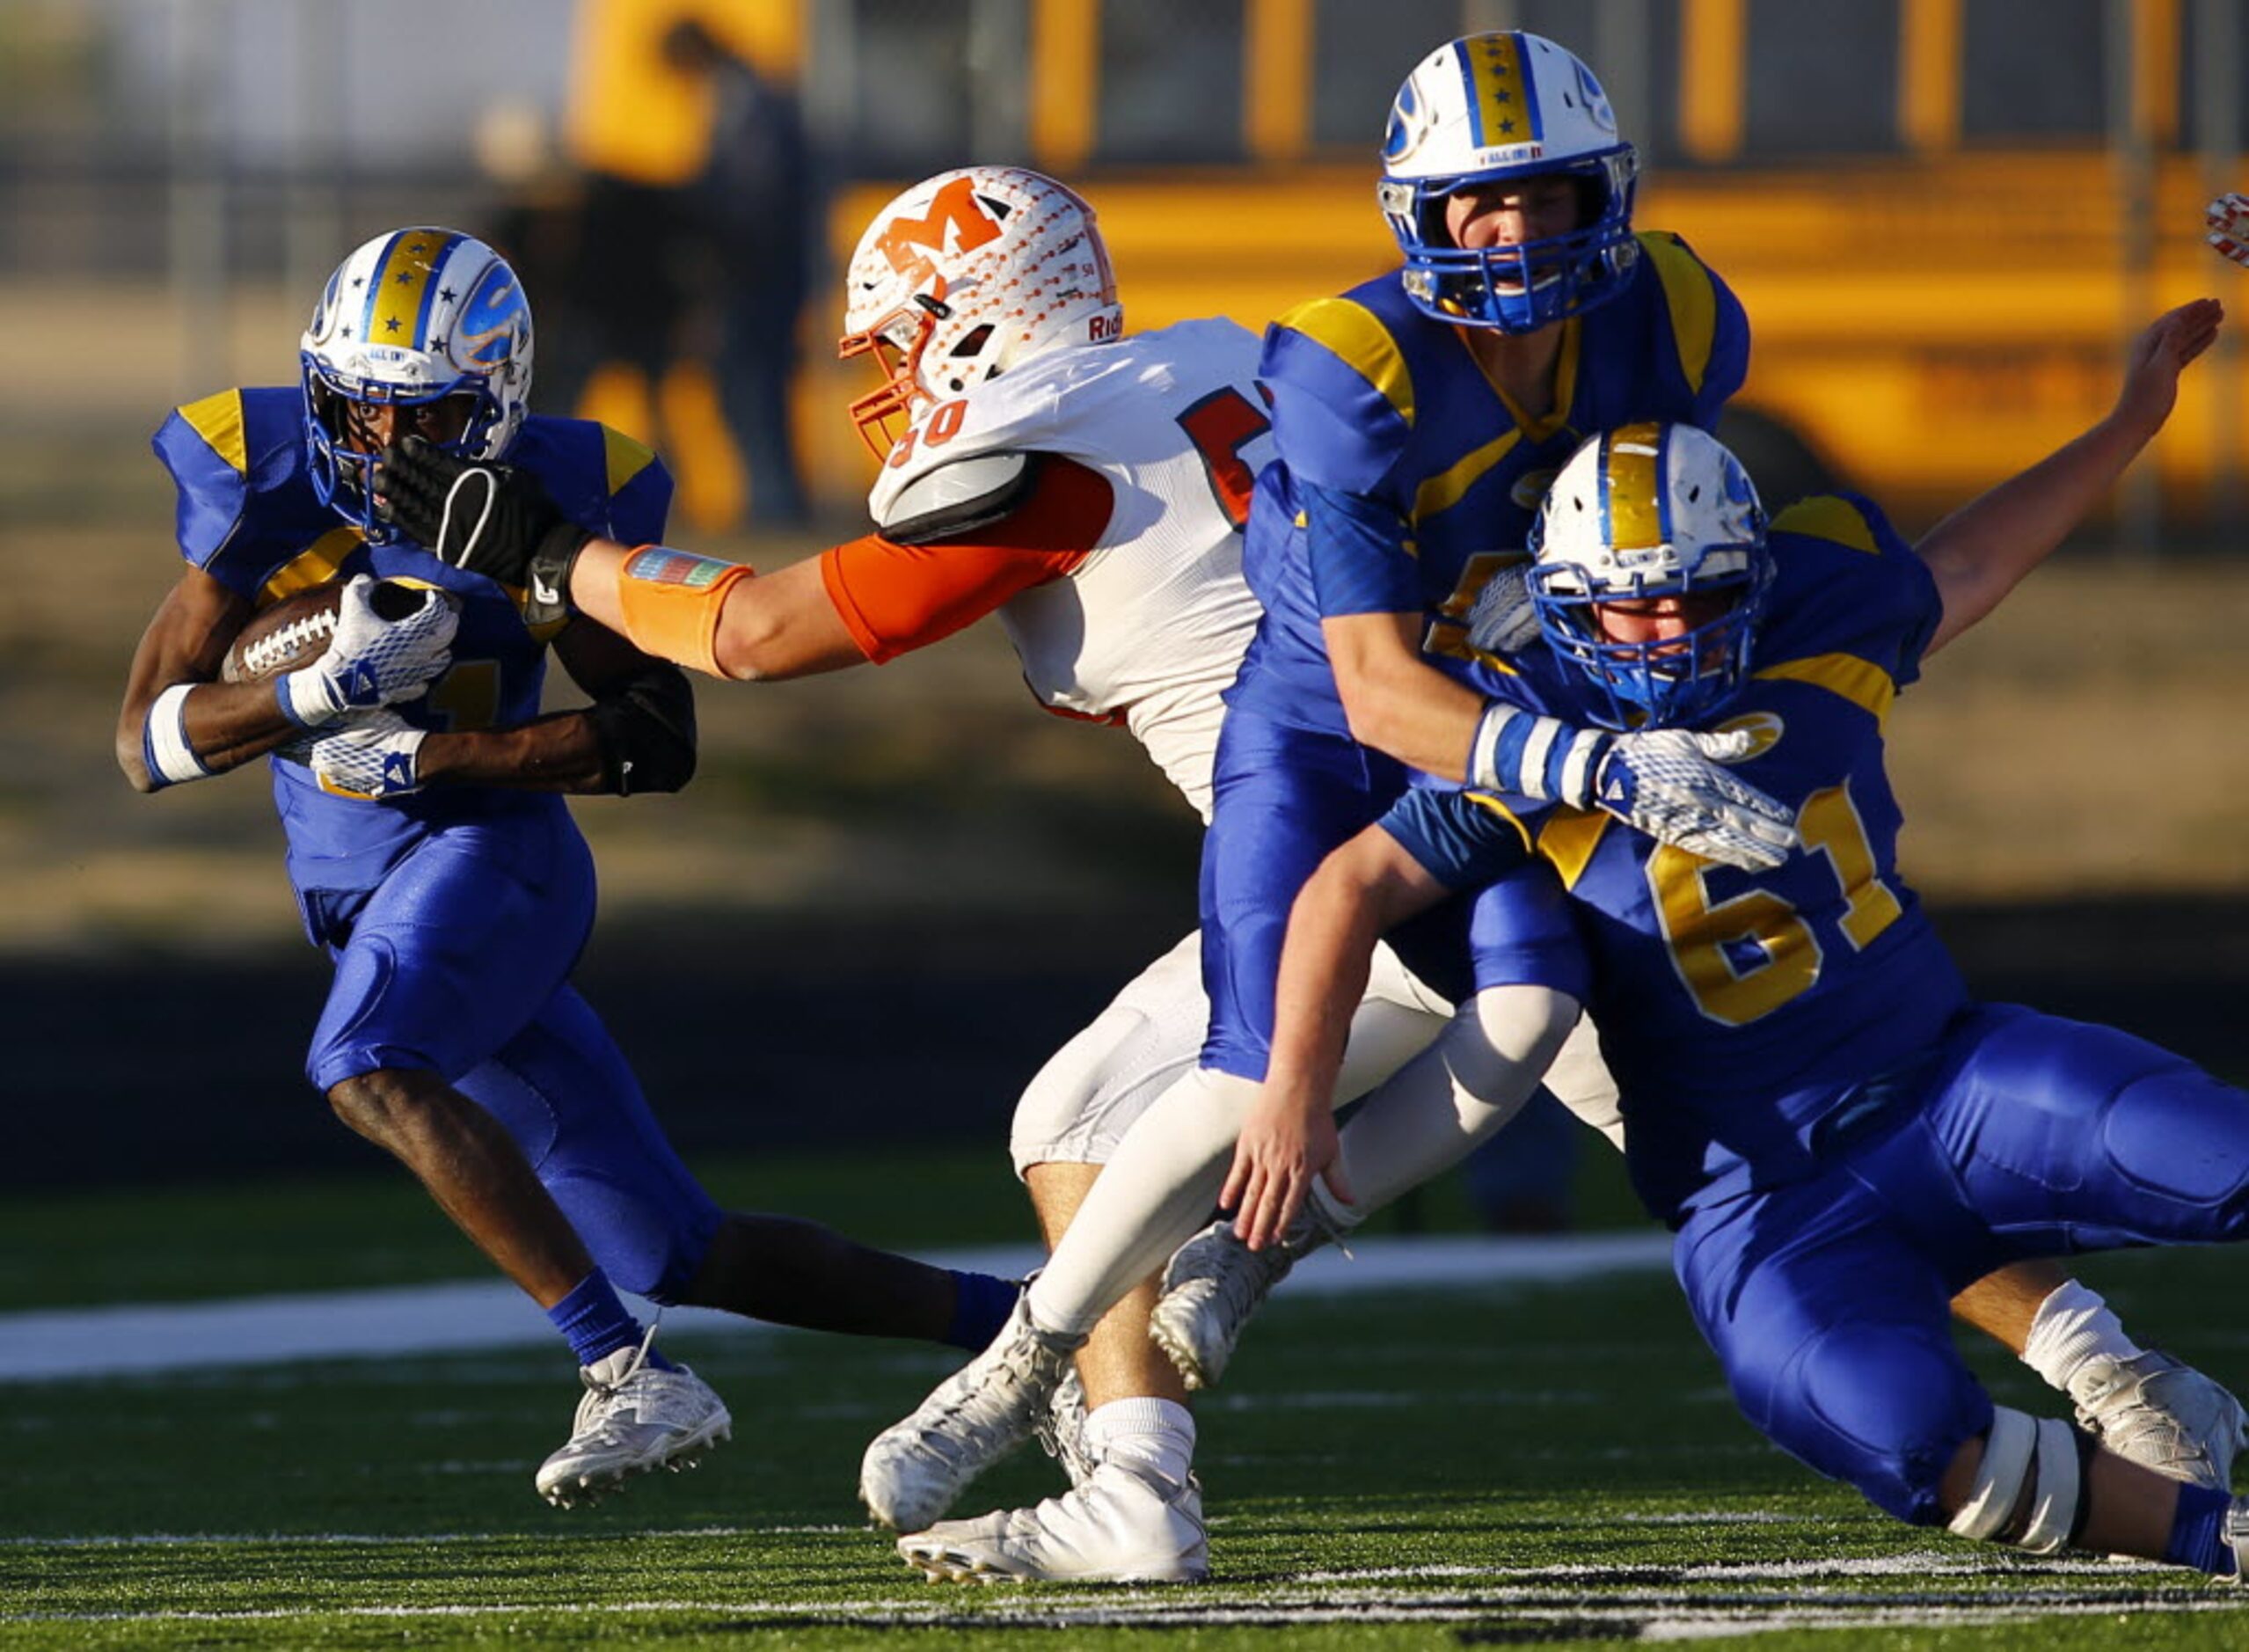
(1481, 1467)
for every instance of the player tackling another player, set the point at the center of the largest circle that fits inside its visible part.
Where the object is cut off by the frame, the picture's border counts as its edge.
(1840, 1135)
(435, 859)
(1085, 485)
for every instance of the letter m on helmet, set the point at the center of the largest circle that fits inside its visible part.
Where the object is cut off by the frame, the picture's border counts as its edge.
(908, 242)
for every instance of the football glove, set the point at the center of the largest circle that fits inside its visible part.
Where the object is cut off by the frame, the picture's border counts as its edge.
(2227, 217)
(373, 756)
(1501, 620)
(1666, 782)
(371, 660)
(491, 519)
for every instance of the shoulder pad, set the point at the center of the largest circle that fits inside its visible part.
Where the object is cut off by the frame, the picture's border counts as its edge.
(958, 498)
(1851, 519)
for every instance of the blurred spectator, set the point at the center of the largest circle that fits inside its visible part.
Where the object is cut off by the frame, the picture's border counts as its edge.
(698, 221)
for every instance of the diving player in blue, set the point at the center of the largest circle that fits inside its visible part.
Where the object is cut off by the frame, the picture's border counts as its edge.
(1842, 1137)
(434, 858)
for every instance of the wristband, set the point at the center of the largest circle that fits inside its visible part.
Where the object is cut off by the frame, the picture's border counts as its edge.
(669, 601)
(1519, 753)
(163, 739)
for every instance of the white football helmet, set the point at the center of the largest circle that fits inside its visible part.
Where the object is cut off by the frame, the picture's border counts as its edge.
(411, 318)
(1652, 510)
(1490, 108)
(966, 274)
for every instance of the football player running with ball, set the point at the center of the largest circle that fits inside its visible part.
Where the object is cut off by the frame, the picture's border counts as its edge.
(432, 852)
(1839, 1135)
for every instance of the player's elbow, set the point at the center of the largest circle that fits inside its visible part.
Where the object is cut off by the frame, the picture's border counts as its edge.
(753, 642)
(131, 756)
(1371, 710)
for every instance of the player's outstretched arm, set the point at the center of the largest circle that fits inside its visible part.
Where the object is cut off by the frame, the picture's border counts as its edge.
(1984, 549)
(1290, 1137)
(699, 612)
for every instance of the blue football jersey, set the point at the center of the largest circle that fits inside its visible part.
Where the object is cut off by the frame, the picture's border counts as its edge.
(1746, 1016)
(249, 518)
(1405, 480)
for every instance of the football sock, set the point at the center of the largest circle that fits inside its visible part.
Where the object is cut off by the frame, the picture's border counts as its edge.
(2072, 1325)
(1152, 1196)
(597, 1324)
(2198, 1532)
(980, 1304)
(1449, 1099)
(1155, 1438)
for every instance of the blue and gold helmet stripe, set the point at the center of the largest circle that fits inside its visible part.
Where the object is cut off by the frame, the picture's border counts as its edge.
(1635, 512)
(404, 287)
(1502, 109)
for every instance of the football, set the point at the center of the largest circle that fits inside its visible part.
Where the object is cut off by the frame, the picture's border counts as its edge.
(294, 631)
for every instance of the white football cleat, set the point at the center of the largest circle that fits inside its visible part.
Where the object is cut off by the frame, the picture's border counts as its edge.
(1060, 1432)
(1117, 1528)
(2161, 1414)
(915, 1469)
(1212, 1285)
(632, 1418)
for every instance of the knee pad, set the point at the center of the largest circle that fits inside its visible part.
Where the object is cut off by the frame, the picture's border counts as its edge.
(1499, 1045)
(2029, 1488)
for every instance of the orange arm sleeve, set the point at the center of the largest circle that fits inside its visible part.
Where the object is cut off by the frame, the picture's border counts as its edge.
(895, 598)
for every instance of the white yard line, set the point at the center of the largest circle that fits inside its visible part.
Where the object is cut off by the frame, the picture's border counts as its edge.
(471, 1315)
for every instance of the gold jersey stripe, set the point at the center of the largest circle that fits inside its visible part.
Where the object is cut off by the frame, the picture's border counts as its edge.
(1567, 840)
(1693, 301)
(1446, 489)
(1865, 685)
(218, 420)
(1830, 517)
(1353, 333)
(1485, 800)
(315, 565)
(625, 458)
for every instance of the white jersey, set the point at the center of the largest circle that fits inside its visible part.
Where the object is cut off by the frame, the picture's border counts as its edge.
(1149, 628)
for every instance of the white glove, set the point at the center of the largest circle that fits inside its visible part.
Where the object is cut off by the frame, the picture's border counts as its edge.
(2227, 217)
(1666, 782)
(373, 755)
(371, 661)
(1501, 620)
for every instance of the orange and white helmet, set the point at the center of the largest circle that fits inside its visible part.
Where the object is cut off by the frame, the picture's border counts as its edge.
(966, 274)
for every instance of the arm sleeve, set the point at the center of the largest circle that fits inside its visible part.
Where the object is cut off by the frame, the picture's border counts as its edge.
(894, 598)
(1357, 550)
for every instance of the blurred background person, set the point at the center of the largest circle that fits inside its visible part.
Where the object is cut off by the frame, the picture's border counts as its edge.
(697, 228)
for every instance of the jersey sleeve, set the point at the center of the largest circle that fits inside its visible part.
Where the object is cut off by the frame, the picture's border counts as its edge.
(1710, 331)
(640, 491)
(1885, 607)
(1342, 397)
(212, 493)
(1360, 553)
(1463, 839)
(894, 598)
